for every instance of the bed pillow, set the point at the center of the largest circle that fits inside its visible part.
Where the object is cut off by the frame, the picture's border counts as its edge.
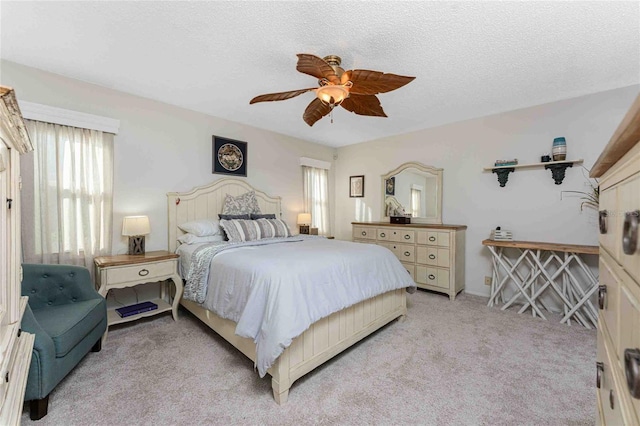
(238, 230)
(246, 203)
(233, 216)
(202, 227)
(194, 239)
(273, 228)
(262, 216)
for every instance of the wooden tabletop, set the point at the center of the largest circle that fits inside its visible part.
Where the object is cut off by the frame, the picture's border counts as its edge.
(536, 245)
(413, 225)
(129, 259)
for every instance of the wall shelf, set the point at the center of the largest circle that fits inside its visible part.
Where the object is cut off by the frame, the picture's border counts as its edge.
(558, 169)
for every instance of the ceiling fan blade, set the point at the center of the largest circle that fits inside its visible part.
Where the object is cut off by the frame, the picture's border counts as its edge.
(363, 105)
(315, 111)
(316, 67)
(367, 82)
(282, 96)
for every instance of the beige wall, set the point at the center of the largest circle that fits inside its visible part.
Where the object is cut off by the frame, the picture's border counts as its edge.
(162, 148)
(529, 205)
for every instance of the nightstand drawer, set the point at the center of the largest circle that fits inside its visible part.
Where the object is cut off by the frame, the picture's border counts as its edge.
(147, 271)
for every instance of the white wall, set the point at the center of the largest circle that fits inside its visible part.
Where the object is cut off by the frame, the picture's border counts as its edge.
(529, 205)
(162, 148)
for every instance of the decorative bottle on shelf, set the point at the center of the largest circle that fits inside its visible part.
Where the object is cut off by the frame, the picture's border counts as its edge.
(559, 149)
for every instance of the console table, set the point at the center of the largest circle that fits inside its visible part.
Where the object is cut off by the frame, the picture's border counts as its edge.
(539, 267)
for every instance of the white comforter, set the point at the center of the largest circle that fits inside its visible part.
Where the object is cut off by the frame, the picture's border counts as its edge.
(275, 292)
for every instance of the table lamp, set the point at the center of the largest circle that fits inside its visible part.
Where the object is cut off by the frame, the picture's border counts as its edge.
(136, 227)
(304, 220)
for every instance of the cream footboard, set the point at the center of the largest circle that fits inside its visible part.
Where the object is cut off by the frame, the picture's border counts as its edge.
(324, 339)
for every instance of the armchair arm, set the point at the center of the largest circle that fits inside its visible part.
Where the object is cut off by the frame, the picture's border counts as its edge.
(48, 285)
(44, 352)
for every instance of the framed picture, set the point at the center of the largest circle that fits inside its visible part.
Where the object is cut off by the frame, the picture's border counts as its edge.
(390, 186)
(356, 186)
(229, 156)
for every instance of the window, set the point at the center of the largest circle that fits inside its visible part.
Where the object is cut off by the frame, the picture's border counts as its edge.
(416, 197)
(316, 195)
(68, 186)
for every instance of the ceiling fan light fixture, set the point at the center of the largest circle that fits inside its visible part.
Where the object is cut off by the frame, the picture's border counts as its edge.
(332, 94)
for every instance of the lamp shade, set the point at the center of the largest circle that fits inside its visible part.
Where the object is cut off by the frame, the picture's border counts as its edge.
(135, 225)
(304, 218)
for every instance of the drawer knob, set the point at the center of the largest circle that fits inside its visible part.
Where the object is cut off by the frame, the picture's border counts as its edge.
(602, 293)
(632, 371)
(432, 256)
(630, 232)
(432, 277)
(364, 233)
(407, 237)
(432, 239)
(599, 372)
(382, 235)
(143, 272)
(407, 253)
(603, 221)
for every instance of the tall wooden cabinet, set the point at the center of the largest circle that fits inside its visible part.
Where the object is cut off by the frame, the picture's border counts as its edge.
(15, 346)
(432, 254)
(618, 354)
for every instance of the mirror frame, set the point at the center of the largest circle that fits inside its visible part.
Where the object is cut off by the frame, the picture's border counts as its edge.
(435, 171)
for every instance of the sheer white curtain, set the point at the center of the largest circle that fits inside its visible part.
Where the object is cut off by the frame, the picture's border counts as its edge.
(315, 183)
(67, 195)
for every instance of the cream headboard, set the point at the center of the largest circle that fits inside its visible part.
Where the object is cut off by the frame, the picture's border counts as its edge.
(205, 202)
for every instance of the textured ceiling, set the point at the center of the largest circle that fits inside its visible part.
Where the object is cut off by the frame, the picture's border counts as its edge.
(471, 59)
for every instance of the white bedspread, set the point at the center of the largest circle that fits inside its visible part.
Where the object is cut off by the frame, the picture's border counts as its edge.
(275, 292)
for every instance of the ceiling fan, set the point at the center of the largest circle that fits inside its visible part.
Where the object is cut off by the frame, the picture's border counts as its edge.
(354, 90)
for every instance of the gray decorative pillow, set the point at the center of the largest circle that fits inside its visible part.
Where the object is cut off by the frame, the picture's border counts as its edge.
(273, 228)
(262, 216)
(238, 230)
(246, 203)
(234, 216)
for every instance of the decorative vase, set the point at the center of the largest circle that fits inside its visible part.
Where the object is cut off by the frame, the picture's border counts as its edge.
(559, 149)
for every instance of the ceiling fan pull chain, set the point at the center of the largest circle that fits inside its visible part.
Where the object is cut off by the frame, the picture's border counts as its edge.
(331, 114)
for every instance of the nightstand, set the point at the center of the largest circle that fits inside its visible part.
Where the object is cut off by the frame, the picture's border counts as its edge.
(130, 270)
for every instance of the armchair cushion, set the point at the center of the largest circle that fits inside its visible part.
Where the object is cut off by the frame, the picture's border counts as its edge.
(68, 325)
(52, 285)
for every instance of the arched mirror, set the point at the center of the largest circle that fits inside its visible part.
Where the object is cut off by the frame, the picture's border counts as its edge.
(416, 190)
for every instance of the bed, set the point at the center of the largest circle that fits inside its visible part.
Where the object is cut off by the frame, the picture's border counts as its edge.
(324, 339)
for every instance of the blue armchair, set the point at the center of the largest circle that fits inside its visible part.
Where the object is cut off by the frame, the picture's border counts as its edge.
(68, 318)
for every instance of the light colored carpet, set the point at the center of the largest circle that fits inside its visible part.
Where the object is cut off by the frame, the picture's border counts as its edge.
(449, 363)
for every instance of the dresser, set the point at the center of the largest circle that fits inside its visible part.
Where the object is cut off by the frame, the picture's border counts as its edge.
(15, 345)
(618, 347)
(432, 254)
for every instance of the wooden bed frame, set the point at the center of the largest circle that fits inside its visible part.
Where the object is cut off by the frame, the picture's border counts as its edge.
(324, 339)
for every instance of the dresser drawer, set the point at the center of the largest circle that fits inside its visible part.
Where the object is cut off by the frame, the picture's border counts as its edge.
(150, 271)
(383, 234)
(433, 256)
(432, 276)
(404, 252)
(402, 236)
(629, 329)
(434, 238)
(364, 233)
(610, 223)
(629, 212)
(411, 269)
(609, 291)
(607, 391)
